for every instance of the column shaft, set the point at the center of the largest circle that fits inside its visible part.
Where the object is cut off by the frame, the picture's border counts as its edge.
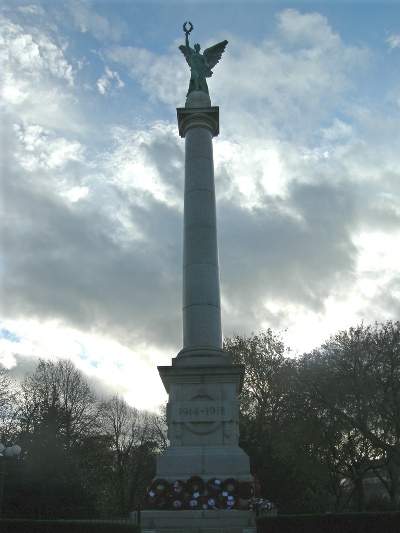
(201, 292)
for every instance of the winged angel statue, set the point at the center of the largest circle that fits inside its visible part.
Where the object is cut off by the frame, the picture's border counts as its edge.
(200, 64)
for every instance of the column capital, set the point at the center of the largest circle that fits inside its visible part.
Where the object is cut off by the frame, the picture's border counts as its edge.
(206, 117)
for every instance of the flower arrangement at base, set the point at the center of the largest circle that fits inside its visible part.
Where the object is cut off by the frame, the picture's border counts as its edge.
(260, 504)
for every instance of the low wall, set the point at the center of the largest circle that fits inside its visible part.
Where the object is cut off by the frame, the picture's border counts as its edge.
(67, 526)
(331, 523)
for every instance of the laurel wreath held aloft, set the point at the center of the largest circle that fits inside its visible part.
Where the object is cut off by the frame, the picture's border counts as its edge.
(187, 31)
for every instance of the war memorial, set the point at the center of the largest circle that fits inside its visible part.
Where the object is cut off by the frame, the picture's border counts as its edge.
(203, 478)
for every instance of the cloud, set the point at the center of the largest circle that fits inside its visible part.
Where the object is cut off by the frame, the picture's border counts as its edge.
(393, 41)
(41, 149)
(103, 261)
(104, 82)
(293, 80)
(35, 72)
(127, 372)
(32, 52)
(270, 256)
(306, 30)
(31, 10)
(160, 76)
(87, 19)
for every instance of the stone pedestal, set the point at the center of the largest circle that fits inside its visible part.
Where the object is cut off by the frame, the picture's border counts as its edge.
(203, 419)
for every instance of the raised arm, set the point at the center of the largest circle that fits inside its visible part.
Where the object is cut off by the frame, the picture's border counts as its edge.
(187, 31)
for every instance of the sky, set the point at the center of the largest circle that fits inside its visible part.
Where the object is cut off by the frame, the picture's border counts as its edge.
(92, 167)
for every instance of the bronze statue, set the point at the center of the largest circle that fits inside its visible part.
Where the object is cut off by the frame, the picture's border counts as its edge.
(200, 64)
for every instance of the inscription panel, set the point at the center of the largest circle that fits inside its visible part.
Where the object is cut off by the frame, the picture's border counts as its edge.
(200, 411)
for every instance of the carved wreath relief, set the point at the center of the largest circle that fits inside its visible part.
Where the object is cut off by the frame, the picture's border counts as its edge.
(201, 414)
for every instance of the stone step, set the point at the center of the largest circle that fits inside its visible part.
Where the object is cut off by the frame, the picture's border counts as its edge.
(198, 522)
(221, 529)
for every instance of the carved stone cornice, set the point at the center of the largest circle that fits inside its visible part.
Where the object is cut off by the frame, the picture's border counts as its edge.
(207, 117)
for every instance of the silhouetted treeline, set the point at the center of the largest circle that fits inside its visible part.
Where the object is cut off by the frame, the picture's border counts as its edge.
(319, 427)
(83, 456)
(315, 427)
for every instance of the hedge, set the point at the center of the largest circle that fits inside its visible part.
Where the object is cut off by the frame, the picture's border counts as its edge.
(61, 526)
(331, 523)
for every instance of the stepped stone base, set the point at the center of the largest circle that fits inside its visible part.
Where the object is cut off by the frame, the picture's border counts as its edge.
(206, 461)
(198, 522)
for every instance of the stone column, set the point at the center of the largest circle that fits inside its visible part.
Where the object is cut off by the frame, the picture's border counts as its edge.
(201, 308)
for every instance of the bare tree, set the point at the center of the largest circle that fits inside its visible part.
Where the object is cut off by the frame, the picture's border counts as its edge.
(355, 376)
(134, 439)
(58, 394)
(8, 403)
(58, 417)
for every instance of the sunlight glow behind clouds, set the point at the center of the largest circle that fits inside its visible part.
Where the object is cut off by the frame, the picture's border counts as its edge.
(105, 361)
(33, 52)
(41, 149)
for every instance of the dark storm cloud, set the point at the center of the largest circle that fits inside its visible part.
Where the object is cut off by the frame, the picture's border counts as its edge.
(295, 256)
(167, 154)
(67, 261)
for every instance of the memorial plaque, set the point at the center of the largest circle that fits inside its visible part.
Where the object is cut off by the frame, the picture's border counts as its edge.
(200, 411)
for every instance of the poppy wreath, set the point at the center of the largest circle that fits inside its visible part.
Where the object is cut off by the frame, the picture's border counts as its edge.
(246, 490)
(214, 486)
(160, 487)
(177, 504)
(195, 485)
(163, 503)
(212, 503)
(230, 487)
(177, 488)
(196, 503)
(151, 500)
(229, 502)
(155, 501)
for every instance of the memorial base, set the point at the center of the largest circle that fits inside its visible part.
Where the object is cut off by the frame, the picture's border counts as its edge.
(203, 418)
(221, 462)
(198, 522)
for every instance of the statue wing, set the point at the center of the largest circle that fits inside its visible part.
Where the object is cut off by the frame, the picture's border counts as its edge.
(187, 53)
(213, 54)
